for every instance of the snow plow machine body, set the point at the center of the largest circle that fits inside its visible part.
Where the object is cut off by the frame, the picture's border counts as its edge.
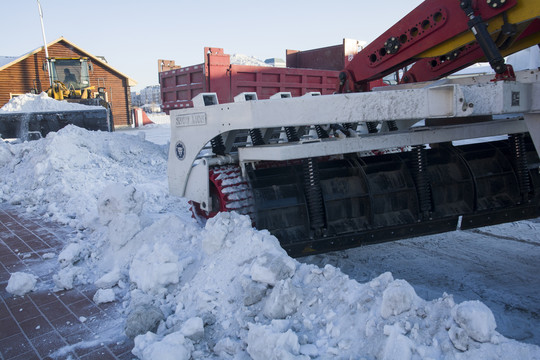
(425, 156)
(70, 82)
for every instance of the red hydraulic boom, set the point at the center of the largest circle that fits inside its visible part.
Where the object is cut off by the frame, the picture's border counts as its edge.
(441, 37)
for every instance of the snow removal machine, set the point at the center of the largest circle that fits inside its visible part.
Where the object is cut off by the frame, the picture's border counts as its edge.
(431, 154)
(69, 81)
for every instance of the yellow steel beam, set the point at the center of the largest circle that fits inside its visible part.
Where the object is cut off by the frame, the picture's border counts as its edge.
(521, 15)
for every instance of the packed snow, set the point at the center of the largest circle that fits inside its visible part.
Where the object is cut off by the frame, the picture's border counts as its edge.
(41, 103)
(222, 289)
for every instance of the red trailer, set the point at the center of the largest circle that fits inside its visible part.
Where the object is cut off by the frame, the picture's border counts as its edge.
(180, 84)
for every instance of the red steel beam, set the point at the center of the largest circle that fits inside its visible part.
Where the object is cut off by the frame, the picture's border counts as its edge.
(427, 26)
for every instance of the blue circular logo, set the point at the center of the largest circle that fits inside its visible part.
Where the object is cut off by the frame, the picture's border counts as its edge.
(180, 150)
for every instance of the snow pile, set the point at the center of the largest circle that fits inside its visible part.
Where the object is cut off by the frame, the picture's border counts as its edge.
(159, 118)
(62, 176)
(240, 59)
(41, 103)
(224, 290)
(252, 298)
(476, 320)
(20, 283)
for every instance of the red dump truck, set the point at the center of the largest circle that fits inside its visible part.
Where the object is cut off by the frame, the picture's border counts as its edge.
(306, 71)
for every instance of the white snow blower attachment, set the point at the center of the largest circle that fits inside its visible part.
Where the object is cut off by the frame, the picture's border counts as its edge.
(335, 171)
(308, 170)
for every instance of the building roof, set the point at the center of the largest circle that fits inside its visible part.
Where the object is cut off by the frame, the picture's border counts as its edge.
(7, 61)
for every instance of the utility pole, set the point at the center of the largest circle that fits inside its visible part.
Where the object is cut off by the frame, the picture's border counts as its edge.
(45, 44)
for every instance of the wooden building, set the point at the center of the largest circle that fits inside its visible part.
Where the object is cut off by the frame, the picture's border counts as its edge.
(20, 75)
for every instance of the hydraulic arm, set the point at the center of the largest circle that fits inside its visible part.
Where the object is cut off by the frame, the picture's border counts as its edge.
(442, 37)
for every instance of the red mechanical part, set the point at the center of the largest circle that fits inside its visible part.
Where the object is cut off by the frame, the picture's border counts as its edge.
(508, 75)
(431, 23)
(228, 192)
(430, 69)
(435, 68)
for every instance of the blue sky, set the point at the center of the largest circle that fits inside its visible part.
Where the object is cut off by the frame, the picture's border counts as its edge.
(134, 34)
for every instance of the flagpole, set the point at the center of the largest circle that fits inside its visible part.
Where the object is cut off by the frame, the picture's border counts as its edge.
(45, 43)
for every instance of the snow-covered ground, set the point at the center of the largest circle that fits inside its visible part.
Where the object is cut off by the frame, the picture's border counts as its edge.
(225, 290)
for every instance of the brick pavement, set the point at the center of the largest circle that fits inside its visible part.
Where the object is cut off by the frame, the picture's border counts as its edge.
(44, 324)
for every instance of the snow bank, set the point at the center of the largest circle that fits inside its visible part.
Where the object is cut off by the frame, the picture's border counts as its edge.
(41, 103)
(224, 290)
(62, 176)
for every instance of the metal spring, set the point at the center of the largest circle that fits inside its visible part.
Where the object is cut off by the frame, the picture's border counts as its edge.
(217, 145)
(520, 158)
(312, 188)
(422, 180)
(291, 133)
(256, 137)
(372, 127)
(321, 133)
(347, 127)
(392, 125)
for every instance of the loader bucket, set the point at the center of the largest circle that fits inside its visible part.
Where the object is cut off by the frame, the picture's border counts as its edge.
(35, 125)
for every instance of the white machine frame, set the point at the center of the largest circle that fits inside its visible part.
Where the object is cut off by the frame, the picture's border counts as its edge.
(515, 105)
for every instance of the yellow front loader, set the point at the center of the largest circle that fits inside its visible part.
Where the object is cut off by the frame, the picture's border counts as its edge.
(70, 81)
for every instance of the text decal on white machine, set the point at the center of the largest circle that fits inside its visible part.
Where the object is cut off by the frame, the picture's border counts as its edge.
(190, 120)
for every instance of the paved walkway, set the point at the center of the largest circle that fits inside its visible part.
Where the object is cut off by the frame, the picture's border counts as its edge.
(45, 324)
